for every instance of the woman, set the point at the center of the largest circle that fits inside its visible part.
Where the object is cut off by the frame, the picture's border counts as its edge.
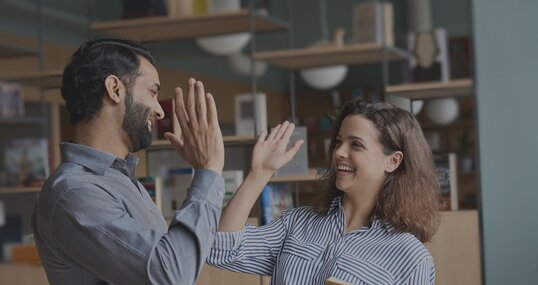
(382, 204)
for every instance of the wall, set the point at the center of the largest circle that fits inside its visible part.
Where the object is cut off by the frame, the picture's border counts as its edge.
(506, 63)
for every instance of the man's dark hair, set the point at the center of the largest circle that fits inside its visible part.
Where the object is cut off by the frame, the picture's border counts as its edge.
(83, 79)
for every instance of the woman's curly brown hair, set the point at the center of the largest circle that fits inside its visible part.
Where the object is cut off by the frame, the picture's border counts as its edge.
(409, 199)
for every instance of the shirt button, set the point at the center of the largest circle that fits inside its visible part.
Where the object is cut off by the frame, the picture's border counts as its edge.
(219, 193)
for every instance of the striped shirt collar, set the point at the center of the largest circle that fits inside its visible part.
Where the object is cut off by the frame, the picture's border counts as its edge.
(337, 207)
(96, 160)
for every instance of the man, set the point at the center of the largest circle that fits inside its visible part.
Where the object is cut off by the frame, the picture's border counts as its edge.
(94, 223)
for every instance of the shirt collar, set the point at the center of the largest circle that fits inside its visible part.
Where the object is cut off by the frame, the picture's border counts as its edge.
(337, 206)
(94, 159)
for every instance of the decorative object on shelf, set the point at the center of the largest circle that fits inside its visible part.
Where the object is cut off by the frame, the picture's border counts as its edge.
(465, 159)
(224, 44)
(248, 113)
(326, 77)
(404, 103)
(26, 161)
(11, 101)
(143, 8)
(429, 56)
(240, 63)
(443, 111)
(373, 21)
(445, 166)
(179, 8)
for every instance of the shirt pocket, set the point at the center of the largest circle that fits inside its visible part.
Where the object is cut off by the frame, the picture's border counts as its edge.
(359, 271)
(299, 249)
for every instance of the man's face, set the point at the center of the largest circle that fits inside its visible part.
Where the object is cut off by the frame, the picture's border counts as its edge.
(142, 108)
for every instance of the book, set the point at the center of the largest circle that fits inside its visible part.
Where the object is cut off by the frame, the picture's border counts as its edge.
(27, 161)
(167, 123)
(248, 113)
(153, 185)
(274, 199)
(11, 100)
(232, 181)
(298, 165)
(176, 185)
(373, 22)
(429, 56)
(445, 167)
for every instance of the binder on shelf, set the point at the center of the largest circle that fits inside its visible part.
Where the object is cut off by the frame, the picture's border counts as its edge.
(373, 22)
(232, 181)
(446, 169)
(248, 113)
(299, 164)
(274, 199)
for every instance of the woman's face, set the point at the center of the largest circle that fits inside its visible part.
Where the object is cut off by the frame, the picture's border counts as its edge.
(358, 156)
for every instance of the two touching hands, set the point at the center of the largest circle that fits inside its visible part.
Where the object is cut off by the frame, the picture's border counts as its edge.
(199, 139)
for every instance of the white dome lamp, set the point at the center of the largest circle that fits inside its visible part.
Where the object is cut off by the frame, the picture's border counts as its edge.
(240, 63)
(443, 111)
(324, 77)
(225, 44)
(403, 103)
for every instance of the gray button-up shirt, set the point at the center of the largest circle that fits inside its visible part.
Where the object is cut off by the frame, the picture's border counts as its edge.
(95, 223)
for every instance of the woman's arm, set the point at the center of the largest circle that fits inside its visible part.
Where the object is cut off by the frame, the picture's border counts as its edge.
(269, 154)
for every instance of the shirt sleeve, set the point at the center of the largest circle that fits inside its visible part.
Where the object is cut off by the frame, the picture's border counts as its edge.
(252, 250)
(95, 232)
(423, 273)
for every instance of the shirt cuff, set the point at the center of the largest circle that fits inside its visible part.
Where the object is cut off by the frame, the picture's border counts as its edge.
(207, 185)
(230, 240)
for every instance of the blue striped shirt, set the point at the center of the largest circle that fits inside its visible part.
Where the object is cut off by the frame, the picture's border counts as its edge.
(306, 247)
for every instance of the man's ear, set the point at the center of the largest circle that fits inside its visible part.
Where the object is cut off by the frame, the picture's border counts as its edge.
(394, 161)
(113, 88)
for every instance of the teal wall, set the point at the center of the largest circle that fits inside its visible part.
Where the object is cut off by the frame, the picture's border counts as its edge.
(507, 87)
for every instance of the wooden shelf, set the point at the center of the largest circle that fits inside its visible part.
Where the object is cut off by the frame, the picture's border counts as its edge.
(311, 176)
(430, 90)
(49, 79)
(10, 51)
(21, 120)
(19, 190)
(228, 140)
(169, 28)
(332, 55)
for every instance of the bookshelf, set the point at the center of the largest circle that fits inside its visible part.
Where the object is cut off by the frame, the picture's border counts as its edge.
(171, 28)
(47, 79)
(432, 90)
(294, 59)
(8, 50)
(19, 190)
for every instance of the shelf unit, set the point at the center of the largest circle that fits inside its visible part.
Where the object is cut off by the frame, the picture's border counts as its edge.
(433, 90)
(46, 79)
(294, 59)
(8, 50)
(20, 190)
(175, 28)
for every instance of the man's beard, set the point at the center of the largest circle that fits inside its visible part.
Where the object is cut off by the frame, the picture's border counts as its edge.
(135, 123)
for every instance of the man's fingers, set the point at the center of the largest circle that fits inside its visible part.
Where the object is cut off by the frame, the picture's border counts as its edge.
(212, 116)
(180, 110)
(190, 102)
(176, 141)
(201, 108)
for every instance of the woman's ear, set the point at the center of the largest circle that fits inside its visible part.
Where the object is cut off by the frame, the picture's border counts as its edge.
(394, 160)
(113, 86)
